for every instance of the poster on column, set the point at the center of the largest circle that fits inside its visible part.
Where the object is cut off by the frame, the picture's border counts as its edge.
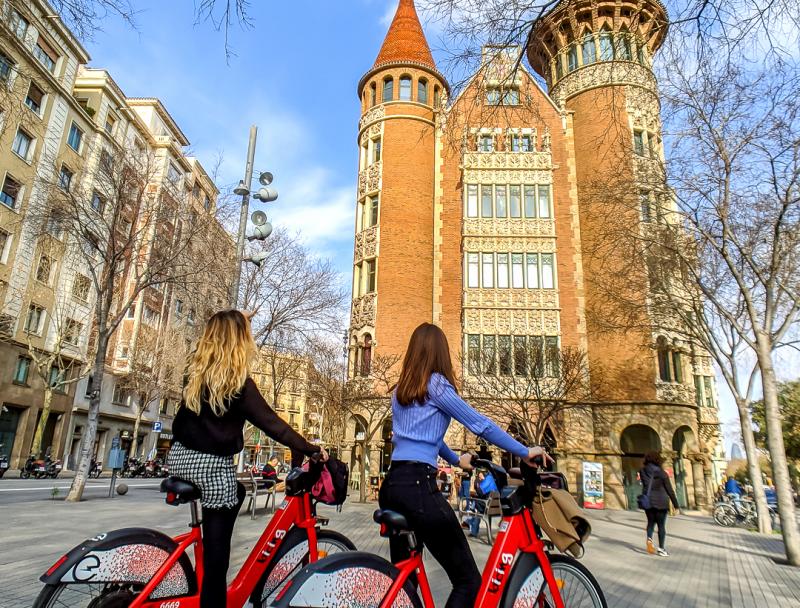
(593, 486)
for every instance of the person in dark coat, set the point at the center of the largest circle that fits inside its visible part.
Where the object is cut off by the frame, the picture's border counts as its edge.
(661, 494)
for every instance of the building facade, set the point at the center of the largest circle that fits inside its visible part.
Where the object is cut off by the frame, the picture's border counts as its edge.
(490, 214)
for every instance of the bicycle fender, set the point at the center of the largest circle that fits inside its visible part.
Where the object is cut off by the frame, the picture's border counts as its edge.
(128, 555)
(525, 582)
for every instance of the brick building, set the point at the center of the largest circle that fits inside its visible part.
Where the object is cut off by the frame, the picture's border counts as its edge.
(490, 214)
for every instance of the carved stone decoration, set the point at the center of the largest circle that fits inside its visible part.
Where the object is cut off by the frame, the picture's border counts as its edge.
(675, 393)
(508, 227)
(508, 160)
(531, 299)
(546, 140)
(366, 244)
(371, 115)
(603, 73)
(508, 176)
(358, 250)
(369, 179)
(363, 312)
(512, 244)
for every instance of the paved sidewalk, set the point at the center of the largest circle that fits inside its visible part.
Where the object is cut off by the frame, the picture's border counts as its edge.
(709, 566)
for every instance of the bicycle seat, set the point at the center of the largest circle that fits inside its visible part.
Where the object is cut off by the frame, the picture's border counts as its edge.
(179, 491)
(392, 523)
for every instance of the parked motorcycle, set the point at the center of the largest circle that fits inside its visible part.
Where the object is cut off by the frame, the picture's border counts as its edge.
(52, 467)
(33, 467)
(156, 468)
(96, 468)
(3, 462)
(134, 468)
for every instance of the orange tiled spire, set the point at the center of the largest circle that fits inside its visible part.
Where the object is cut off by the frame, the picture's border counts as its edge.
(405, 41)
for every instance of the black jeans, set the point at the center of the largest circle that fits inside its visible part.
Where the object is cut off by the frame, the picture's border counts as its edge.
(217, 532)
(410, 489)
(657, 516)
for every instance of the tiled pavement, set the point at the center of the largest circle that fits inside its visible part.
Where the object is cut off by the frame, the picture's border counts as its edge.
(709, 566)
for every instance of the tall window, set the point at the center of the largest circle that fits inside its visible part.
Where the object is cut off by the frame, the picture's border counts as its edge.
(644, 205)
(544, 201)
(98, 204)
(18, 24)
(44, 269)
(662, 349)
(486, 200)
(708, 392)
(422, 90)
(638, 142)
(5, 67)
(472, 270)
(623, 47)
(517, 274)
(21, 370)
(34, 98)
(514, 201)
(75, 137)
(521, 143)
(530, 201)
(572, 58)
(81, 287)
(520, 356)
(373, 94)
(474, 354)
(72, 332)
(559, 68)
(110, 122)
(65, 178)
(22, 144)
(532, 267)
(33, 322)
(45, 54)
(366, 356)
(606, 46)
(588, 49)
(5, 239)
(10, 192)
(486, 143)
(487, 269)
(552, 356)
(489, 355)
(405, 88)
(437, 96)
(376, 151)
(57, 379)
(371, 270)
(472, 200)
(502, 270)
(677, 368)
(547, 271)
(372, 211)
(640, 53)
(511, 97)
(388, 89)
(504, 348)
(492, 96)
(501, 209)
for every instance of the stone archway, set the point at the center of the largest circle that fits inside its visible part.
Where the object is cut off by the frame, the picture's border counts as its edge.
(634, 442)
(683, 442)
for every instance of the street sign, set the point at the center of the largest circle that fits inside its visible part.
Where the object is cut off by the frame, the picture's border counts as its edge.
(157, 427)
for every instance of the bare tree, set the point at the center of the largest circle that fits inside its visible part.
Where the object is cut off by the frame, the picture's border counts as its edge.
(325, 392)
(135, 238)
(367, 398)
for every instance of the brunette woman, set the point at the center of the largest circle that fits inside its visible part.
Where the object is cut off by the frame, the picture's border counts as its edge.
(218, 398)
(656, 484)
(423, 403)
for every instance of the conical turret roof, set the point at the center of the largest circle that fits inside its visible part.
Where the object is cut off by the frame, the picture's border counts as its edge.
(405, 41)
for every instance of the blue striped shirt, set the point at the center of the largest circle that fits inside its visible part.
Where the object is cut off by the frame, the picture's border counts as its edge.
(418, 429)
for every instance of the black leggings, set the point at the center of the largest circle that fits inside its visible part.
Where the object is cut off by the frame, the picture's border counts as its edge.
(410, 489)
(217, 532)
(657, 516)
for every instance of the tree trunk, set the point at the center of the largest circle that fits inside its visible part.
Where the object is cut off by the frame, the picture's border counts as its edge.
(136, 423)
(36, 446)
(753, 467)
(90, 431)
(777, 454)
(362, 467)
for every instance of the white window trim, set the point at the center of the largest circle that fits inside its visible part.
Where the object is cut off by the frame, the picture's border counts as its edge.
(4, 253)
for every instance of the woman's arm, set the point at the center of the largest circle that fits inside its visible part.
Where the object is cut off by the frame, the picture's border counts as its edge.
(447, 454)
(257, 411)
(444, 396)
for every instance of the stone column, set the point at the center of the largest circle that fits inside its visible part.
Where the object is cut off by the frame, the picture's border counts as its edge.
(700, 494)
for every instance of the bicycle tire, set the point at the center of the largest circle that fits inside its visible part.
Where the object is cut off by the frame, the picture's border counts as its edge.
(290, 558)
(355, 578)
(725, 515)
(578, 587)
(106, 596)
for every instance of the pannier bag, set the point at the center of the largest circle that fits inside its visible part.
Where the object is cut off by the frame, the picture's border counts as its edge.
(331, 487)
(562, 520)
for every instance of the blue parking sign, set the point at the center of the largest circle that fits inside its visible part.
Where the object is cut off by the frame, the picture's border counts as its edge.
(157, 427)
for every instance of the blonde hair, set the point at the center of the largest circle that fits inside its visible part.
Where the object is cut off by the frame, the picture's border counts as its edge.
(221, 363)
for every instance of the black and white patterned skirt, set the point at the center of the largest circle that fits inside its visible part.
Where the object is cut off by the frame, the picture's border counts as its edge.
(214, 475)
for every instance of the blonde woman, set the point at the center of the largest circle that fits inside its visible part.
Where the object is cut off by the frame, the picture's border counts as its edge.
(218, 398)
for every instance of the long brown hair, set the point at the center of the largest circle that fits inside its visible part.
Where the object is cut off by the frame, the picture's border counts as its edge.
(427, 353)
(220, 365)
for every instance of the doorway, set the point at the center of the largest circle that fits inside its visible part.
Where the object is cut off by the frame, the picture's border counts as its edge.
(635, 441)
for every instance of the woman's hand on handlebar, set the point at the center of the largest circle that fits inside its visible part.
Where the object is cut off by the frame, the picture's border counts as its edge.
(465, 461)
(538, 456)
(323, 455)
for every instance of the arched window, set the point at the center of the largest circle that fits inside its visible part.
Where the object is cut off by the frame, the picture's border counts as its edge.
(677, 368)
(437, 96)
(572, 58)
(663, 359)
(366, 355)
(388, 89)
(640, 53)
(606, 46)
(559, 67)
(422, 90)
(623, 46)
(372, 94)
(589, 49)
(405, 88)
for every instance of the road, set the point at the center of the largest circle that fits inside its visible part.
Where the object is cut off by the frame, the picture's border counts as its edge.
(15, 490)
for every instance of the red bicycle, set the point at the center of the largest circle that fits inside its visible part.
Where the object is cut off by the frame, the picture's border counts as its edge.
(519, 573)
(143, 568)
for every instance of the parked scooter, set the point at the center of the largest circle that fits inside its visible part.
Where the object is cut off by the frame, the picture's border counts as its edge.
(96, 468)
(3, 462)
(134, 468)
(33, 467)
(156, 468)
(52, 467)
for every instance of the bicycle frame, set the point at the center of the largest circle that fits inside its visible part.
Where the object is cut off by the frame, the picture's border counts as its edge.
(294, 511)
(517, 534)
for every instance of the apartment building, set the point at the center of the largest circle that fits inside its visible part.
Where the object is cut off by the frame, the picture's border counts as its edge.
(44, 135)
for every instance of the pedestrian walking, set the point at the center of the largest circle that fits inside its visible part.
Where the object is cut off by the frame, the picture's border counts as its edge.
(219, 396)
(658, 490)
(423, 404)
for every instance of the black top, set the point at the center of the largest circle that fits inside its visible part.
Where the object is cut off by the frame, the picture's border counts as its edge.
(661, 492)
(224, 435)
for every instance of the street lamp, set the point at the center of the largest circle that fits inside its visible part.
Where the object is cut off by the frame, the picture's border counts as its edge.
(262, 227)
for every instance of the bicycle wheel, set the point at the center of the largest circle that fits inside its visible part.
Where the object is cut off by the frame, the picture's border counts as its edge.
(725, 515)
(93, 595)
(354, 578)
(291, 557)
(527, 587)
